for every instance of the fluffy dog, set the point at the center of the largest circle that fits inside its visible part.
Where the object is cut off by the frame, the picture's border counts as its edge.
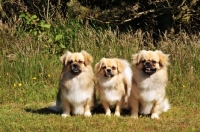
(114, 83)
(76, 87)
(148, 95)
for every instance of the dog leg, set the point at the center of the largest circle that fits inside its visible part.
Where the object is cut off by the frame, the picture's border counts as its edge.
(118, 108)
(155, 113)
(160, 106)
(156, 110)
(66, 109)
(106, 108)
(134, 108)
(87, 111)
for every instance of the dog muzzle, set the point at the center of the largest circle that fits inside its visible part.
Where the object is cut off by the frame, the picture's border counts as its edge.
(148, 69)
(75, 69)
(108, 73)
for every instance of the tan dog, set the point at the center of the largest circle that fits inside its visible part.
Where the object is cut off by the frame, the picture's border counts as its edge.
(114, 83)
(148, 83)
(76, 88)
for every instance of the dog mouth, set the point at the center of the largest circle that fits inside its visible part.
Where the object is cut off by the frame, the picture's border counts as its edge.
(108, 74)
(75, 69)
(149, 70)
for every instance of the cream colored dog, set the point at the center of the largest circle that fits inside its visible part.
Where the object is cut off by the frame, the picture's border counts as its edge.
(148, 95)
(114, 83)
(76, 88)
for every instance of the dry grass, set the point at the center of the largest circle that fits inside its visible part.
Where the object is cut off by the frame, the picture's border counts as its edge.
(29, 77)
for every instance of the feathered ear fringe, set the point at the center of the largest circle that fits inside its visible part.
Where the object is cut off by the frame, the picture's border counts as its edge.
(164, 58)
(64, 58)
(120, 65)
(87, 57)
(137, 57)
(99, 65)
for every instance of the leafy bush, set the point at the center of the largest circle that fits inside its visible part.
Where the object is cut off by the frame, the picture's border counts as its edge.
(32, 24)
(156, 16)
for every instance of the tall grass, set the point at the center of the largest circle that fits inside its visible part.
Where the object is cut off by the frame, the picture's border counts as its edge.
(184, 70)
(30, 69)
(35, 63)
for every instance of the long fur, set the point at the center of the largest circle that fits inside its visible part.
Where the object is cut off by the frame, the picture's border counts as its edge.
(148, 94)
(76, 90)
(114, 90)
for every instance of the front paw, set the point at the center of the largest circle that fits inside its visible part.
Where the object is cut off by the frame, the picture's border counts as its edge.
(117, 114)
(87, 114)
(154, 116)
(108, 113)
(65, 115)
(134, 116)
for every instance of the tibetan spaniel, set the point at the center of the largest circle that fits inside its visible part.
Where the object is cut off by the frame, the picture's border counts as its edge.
(114, 83)
(148, 93)
(76, 86)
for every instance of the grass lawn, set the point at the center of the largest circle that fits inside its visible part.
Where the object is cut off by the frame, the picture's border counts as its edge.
(36, 117)
(30, 68)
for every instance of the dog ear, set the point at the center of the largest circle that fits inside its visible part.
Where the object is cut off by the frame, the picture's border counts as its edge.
(136, 58)
(99, 65)
(164, 58)
(87, 57)
(64, 58)
(120, 65)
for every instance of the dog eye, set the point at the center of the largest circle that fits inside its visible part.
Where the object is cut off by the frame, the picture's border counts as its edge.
(80, 61)
(70, 61)
(153, 61)
(143, 61)
(104, 67)
(114, 68)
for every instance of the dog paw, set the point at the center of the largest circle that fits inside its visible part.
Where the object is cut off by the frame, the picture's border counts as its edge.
(154, 116)
(65, 115)
(108, 113)
(87, 114)
(134, 116)
(117, 114)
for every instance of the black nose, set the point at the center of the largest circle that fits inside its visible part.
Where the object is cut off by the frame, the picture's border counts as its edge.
(75, 65)
(147, 64)
(108, 70)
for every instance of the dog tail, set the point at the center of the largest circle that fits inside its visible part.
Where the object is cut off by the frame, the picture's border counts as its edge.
(127, 73)
(54, 107)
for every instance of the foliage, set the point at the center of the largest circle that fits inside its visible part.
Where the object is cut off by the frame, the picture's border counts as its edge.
(156, 16)
(30, 72)
(32, 24)
(34, 34)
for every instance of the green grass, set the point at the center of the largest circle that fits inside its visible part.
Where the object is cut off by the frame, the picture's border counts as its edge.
(35, 117)
(34, 63)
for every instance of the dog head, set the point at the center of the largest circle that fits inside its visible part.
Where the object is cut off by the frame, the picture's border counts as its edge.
(150, 61)
(109, 67)
(76, 62)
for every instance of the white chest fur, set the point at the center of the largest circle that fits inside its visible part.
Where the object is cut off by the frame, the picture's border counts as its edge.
(112, 96)
(150, 89)
(113, 90)
(76, 92)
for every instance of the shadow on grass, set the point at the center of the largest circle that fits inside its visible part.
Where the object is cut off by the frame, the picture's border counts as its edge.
(44, 111)
(98, 109)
